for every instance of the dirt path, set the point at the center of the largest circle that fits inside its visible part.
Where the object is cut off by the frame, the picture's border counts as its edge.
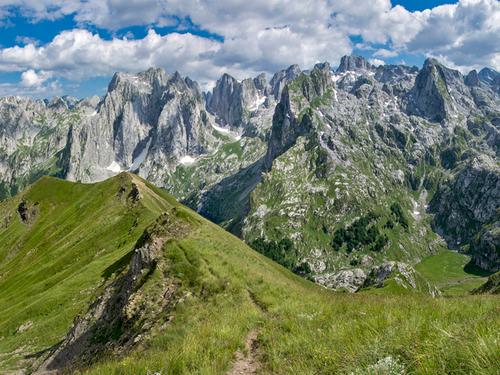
(247, 363)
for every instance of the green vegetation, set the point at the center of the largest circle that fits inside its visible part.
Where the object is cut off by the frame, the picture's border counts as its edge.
(451, 273)
(362, 232)
(397, 211)
(281, 252)
(53, 268)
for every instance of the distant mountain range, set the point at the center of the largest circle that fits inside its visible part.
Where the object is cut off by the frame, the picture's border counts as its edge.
(335, 174)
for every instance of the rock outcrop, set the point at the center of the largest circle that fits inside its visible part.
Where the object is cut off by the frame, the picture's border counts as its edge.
(126, 310)
(492, 286)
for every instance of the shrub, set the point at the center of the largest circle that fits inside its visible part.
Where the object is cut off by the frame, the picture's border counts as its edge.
(281, 252)
(397, 211)
(362, 232)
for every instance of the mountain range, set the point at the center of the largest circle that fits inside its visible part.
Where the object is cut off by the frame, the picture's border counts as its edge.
(333, 173)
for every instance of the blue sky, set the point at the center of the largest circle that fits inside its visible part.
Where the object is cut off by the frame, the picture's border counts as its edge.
(73, 47)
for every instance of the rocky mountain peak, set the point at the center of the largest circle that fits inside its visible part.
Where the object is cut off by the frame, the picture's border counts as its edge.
(281, 78)
(395, 73)
(488, 75)
(472, 78)
(58, 104)
(328, 136)
(260, 83)
(491, 78)
(232, 101)
(152, 79)
(323, 67)
(439, 92)
(354, 63)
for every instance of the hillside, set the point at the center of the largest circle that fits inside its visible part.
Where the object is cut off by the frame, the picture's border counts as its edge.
(117, 277)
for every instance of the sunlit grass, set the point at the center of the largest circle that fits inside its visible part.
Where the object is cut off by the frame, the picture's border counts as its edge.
(228, 290)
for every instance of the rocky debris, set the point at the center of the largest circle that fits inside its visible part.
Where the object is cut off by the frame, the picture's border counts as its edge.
(492, 286)
(353, 280)
(124, 312)
(401, 272)
(24, 327)
(27, 212)
(350, 280)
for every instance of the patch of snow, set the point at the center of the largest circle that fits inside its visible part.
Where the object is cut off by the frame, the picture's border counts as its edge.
(187, 160)
(140, 158)
(258, 102)
(114, 167)
(228, 132)
(221, 130)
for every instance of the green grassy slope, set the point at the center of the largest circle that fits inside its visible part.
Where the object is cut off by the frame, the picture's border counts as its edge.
(50, 269)
(83, 233)
(451, 272)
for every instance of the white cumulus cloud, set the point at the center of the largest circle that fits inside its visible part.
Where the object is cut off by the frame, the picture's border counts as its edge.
(30, 78)
(252, 36)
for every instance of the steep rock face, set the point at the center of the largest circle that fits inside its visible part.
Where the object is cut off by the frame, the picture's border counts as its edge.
(32, 134)
(145, 122)
(439, 93)
(281, 78)
(291, 118)
(469, 201)
(354, 63)
(467, 210)
(232, 101)
(224, 100)
(485, 248)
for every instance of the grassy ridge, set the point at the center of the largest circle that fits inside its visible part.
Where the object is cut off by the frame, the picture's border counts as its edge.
(228, 291)
(305, 329)
(51, 269)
